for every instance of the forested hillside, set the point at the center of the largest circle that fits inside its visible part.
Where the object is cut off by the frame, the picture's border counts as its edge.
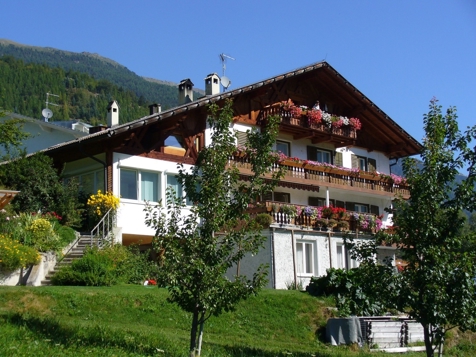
(23, 88)
(147, 90)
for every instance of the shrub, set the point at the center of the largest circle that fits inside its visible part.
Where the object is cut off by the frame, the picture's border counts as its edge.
(363, 291)
(92, 269)
(14, 255)
(41, 188)
(100, 203)
(263, 220)
(42, 236)
(66, 234)
(108, 266)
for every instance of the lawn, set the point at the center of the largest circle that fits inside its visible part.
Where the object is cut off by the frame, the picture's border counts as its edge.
(138, 321)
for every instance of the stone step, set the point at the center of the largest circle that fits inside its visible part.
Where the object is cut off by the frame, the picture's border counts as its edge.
(75, 253)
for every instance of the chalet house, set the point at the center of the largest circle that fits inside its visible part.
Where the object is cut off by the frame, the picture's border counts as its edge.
(336, 145)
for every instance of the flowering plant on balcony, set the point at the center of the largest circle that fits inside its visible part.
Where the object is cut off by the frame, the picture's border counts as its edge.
(296, 111)
(318, 116)
(355, 122)
(290, 210)
(310, 211)
(368, 222)
(314, 116)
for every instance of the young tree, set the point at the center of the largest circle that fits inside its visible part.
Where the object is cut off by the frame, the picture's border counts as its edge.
(196, 249)
(11, 135)
(437, 286)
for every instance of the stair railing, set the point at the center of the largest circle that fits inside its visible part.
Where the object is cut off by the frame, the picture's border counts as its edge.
(102, 234)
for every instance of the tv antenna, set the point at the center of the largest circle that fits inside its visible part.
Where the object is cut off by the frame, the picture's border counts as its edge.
(225, 81)
(47, 112)
(47, 98)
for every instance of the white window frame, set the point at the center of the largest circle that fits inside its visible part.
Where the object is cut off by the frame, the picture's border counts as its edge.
(306, 250)
(344, 261)
(138, 184)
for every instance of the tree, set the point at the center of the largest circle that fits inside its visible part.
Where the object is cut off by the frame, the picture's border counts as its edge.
(11, 135)
(197, 249)
(41, 188)
(437, 285)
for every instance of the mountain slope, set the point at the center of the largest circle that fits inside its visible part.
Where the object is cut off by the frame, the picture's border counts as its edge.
(150, 91)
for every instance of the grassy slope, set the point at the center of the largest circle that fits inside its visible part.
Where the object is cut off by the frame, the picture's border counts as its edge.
(138, 321)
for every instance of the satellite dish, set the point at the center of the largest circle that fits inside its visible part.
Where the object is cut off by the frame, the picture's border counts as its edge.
(47, 113)
(225, 82)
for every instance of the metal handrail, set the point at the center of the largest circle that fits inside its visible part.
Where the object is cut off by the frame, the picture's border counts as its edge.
(102, 231)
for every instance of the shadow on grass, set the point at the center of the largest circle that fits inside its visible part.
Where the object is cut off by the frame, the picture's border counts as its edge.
(256, 352)
(97, 335)
(104, 337)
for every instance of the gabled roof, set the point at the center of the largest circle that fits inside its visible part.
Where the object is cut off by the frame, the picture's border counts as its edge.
(379, 132)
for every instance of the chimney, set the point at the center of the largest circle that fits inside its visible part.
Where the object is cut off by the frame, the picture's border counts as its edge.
(212, 84)
(155, 109)
(112, 114)
(185, 91)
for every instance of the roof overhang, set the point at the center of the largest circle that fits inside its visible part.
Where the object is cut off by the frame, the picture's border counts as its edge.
(6, 196)
(380, 131)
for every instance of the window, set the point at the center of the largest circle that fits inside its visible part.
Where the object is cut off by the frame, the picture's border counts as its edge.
(282, 197)
(241, 138)
(128, 184)
(344, 261)
(143, 184)
(173, 182)
(321, 202)
(305, 253)
(91, 182)
(340, 249)
(361, 208)
(364, 163)
(319, 155)
(149, 184)
(284, 147)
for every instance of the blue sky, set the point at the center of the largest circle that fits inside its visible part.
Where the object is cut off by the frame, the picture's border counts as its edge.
(398, 53)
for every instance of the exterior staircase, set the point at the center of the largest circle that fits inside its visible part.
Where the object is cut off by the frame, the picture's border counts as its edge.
(76, 252)
(100, 236)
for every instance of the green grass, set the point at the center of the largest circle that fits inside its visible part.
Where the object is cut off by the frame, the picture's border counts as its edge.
(138, 321)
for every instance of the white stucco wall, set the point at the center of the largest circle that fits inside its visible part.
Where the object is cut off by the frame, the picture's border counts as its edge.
(131, 215)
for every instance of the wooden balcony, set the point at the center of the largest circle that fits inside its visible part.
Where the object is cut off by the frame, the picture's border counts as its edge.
(302, 129)
(312, 175)
(303, 221)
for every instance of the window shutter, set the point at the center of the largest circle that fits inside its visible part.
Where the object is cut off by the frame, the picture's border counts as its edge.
(374, 210)
(355, 161)
(350, 206)
(338, 159)
(312, 153)
(241, 138)
(340, 204)
(372, 163)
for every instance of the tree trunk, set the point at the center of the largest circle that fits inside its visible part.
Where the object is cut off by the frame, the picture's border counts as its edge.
(428, 345)
(200, 336)
(193, 333)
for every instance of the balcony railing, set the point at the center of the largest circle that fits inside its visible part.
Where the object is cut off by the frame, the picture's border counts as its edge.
(303, 122)
(332, 176)
(302, 220)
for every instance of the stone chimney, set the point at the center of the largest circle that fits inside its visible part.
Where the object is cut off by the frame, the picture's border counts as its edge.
(212, 84)
(185, 91)
(112, 114)
(155, 109)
